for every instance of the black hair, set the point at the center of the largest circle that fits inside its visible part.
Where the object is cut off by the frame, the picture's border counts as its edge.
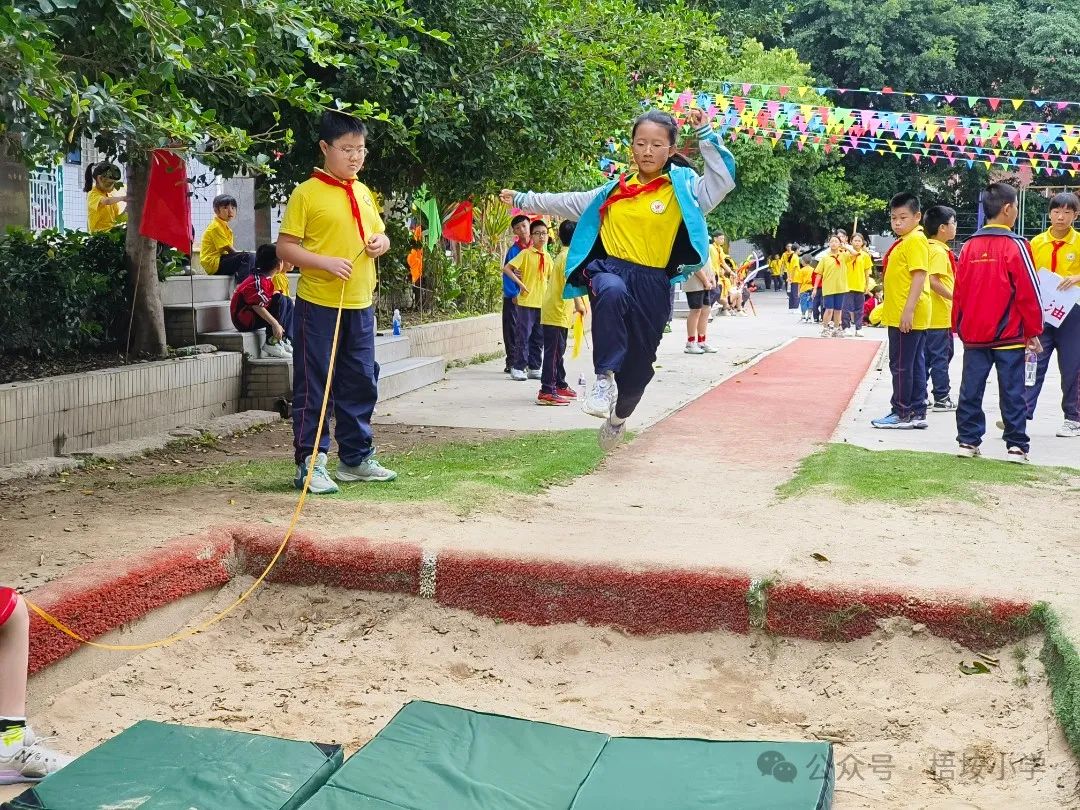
(996, 197)
(266, 259)
(96, 170)
(666, 121)
(518, 220)
(538, 223)
(905, 199)
(789, 246)
(840, 232)
(861, 236)
(935, 218)
(1065, 199)
(334, 124)
(224, 201)
(566, 231)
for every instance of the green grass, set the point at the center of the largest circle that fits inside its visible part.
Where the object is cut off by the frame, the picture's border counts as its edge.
(467, 475)
(904, 476)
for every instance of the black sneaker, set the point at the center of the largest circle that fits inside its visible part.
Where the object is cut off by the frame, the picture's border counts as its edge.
(944, 405)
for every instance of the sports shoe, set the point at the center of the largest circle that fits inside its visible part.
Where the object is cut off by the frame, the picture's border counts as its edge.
(287, 345)
(693, 348)
(969, 451)
(705, 347)
(892, 422)
(603, 395)
(517, 374)
(321, 483)
(944, 405)
(367, 470)
(534, 374)
(858, 333)
(566, 392)
(743, 313)
(827, 331)
(1069, 430)
(1017, 456)
(506, 370)
(30, 763)
(610, 436)
(550, 399)
(273, 348)
(919, 422)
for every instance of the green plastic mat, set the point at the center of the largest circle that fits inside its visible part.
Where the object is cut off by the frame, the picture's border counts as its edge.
(157, 766)
(436, 757)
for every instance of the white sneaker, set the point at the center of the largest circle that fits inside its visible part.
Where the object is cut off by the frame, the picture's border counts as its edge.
(533, 374)
(827, 332)
(744, 314)
(602, 397)
(321, 482)
(1069, 430)
(693, 348)
(858, 333)
(1017, 456)
(518, 375)
(610, 436)
(274, 349)
(30, 763)
(968, 451)
(287, 345)
(369, 470)
(705, 347)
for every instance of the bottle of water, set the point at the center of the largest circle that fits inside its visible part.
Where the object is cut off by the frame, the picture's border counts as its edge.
(397, 322)
(1031, 368)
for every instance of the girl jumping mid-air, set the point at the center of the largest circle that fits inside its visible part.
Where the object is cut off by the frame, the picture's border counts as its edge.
(636, 236)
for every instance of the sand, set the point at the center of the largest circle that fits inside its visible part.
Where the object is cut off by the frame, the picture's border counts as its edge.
(335, 666)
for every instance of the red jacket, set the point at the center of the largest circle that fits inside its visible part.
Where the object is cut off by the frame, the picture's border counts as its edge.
(996, 297)
(254, 291)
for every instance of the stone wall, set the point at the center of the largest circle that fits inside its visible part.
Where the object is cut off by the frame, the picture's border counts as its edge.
(462, 339)
(58, 416)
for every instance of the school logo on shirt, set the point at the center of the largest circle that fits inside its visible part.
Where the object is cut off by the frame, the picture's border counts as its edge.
(658, 207)
(1070, 257)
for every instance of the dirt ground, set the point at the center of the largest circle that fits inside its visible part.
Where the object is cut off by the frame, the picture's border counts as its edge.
(49, 525)
(910, 730)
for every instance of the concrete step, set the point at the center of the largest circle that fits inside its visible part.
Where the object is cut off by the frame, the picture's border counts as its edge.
(404, 376)
(181, 290)
(388, 349)
(269, 379)
(208, 316)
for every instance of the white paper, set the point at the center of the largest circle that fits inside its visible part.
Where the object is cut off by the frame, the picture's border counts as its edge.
(1056, 303)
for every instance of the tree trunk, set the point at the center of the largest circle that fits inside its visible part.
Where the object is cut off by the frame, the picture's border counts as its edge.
(148, 319)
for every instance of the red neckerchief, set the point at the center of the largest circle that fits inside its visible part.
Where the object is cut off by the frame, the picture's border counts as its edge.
(626, 192)
(350, 192)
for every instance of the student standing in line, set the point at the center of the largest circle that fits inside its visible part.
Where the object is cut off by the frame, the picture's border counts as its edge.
(940, 225)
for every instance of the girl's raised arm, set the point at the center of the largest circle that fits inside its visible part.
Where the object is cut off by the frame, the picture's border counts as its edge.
(566, 205)
(719, 177)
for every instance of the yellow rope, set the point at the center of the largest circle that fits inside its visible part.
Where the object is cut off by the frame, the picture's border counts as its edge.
(191, 631)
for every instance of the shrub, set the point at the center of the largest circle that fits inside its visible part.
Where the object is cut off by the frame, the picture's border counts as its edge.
(66, 291)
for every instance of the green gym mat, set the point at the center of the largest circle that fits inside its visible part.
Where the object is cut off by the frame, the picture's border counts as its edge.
(436, 757)
(158, 766)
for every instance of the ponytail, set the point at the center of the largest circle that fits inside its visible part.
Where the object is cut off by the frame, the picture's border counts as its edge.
(96, 170)
(89, 184)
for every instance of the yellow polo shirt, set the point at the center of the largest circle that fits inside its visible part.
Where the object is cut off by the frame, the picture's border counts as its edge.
(804, 276)
(100, 217)
(319, 215)
(1061, 256)
(281, 284)
(534, 266)
(217, 236)
(859, 267)
(910, 254)
(833, 272)
(556, 310)
(642, 229)
(940, 266)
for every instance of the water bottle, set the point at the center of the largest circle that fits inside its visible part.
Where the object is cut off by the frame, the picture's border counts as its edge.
(1031, 368)
(397, 322)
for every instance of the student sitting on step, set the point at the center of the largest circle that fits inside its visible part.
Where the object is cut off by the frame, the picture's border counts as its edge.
(256, 304)
(216, 252)
(23, 758)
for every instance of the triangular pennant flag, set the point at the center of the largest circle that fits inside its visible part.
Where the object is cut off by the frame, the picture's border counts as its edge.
(972, 101)
(994, 102)
(821, 90)
(1016, 102)
(784, 90)
(803, 91)
(950, 99)
(746, 88)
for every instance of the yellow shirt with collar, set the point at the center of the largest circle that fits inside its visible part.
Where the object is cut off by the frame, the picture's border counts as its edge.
(940, 266)
(99, 216)
(320, 216)
(534, 266)
(1061, 256)
(556, 310)
(833, 271)
(910, 255)
(217, 236)
(281, 284)
(642, 229)
(859, 267)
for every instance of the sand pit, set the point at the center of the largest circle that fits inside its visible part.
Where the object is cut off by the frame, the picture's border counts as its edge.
(911, 730)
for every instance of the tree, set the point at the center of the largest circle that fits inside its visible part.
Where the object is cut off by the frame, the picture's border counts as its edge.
(143, 74)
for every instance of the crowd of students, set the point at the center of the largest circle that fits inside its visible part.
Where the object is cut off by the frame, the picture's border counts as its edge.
(989, 298)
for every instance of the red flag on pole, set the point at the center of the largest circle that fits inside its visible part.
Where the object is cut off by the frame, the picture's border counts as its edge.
(458, 227)
(167, 211)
